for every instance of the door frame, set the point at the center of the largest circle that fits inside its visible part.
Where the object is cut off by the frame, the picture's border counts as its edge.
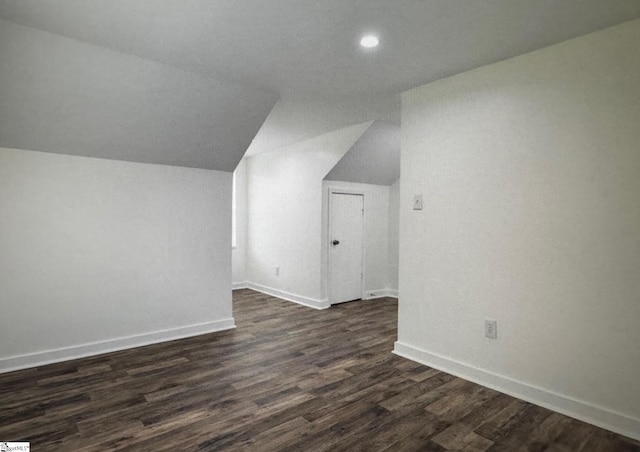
(344, 191)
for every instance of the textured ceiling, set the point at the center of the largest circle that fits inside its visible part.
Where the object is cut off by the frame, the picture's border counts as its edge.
(308, 48)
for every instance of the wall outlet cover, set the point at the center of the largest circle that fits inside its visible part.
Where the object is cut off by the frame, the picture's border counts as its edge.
(491, 328)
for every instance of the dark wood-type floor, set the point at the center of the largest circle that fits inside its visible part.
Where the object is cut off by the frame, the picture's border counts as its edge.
(288, 378)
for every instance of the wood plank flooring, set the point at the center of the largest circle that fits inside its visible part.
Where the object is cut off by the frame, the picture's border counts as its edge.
(288, 378)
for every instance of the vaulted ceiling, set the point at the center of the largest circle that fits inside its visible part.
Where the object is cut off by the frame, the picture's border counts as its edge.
(302, 51)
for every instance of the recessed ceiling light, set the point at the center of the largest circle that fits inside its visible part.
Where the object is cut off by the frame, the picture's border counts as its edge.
(369, 41)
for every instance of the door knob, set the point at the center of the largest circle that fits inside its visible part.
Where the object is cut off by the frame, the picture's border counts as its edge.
(335, 242)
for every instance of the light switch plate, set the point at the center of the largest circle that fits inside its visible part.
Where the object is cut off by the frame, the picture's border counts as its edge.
(417, 202)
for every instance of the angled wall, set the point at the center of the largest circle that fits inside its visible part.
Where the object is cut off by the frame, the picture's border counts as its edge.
(529, 171)
(64, 96)
(373, 159)
(296, 120)
(131, 247)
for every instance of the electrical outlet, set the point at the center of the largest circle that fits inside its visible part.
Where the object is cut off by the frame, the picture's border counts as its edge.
(277, 270)
(491, 328)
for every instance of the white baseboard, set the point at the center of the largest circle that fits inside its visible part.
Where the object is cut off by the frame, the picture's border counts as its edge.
(305, 301)
(112, 345)
(240, 285)
(380, 293)
(393, 293)
(581, 410)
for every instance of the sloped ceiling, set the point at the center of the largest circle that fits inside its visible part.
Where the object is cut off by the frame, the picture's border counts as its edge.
(373, 159)
(190, 82)
(293, 120)
(64, 96)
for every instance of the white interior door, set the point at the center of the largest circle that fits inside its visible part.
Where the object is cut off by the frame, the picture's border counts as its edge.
(346, 220)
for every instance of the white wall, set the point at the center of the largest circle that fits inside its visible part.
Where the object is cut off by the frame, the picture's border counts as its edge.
(285, 215)
(393, 255)
(376, 234)
(530, 174)
(239, 252)
(97, 255)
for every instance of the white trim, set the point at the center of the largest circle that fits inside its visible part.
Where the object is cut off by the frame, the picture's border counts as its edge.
(380, 293)
(393, 293)
(111, 345)
(373, 294)
(240, 285)
(578, 409)
(305, 301)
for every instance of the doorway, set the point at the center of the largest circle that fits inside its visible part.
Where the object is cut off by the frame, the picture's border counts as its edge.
(346, 239)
